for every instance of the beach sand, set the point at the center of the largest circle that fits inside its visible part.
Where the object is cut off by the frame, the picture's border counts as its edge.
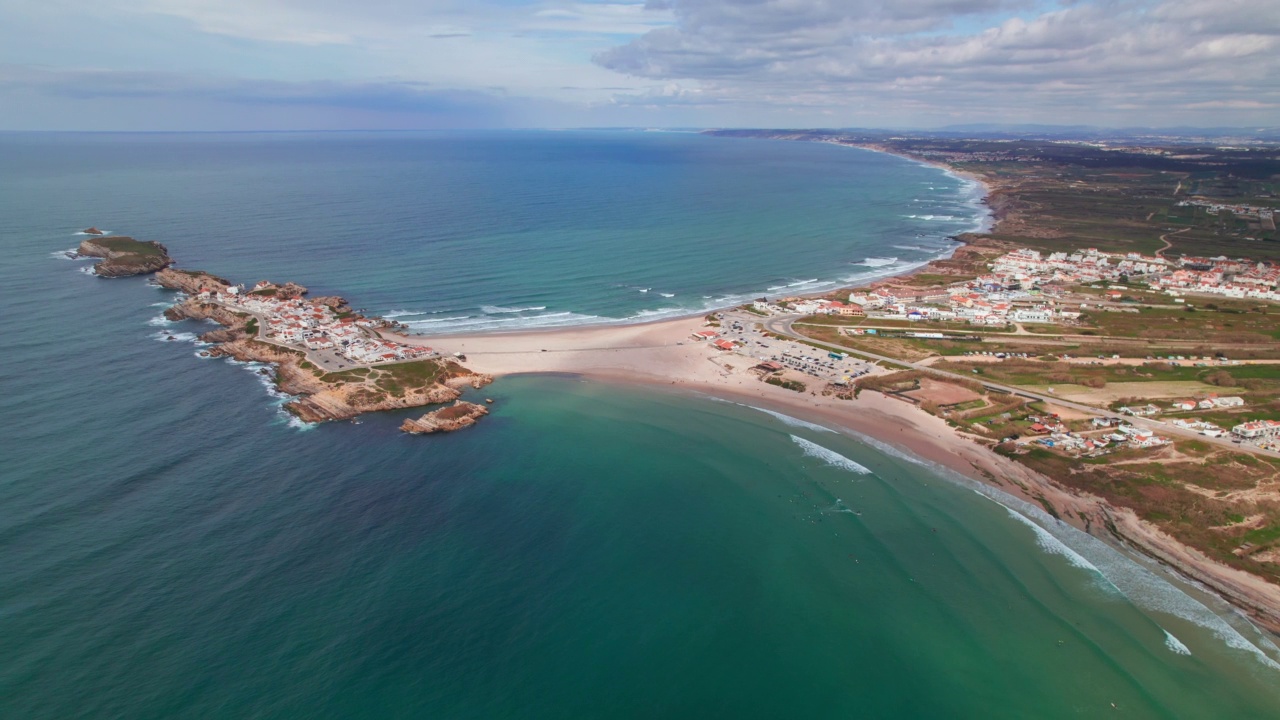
(662, 356)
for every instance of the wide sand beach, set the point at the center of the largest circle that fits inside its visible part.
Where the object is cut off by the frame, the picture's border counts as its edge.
(663, 356)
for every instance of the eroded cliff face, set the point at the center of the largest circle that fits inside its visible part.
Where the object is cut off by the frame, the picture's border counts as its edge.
(460, 415)
(190, 281)
(193, 309)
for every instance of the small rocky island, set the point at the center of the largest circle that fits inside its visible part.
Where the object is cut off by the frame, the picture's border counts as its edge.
(329, 357)
(124, 256)
(461, 414)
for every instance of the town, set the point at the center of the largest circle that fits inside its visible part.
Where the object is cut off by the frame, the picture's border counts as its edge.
(1027, 286)
(330, 338)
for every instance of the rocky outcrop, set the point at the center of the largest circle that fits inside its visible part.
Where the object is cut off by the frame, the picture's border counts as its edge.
(289, 291)
(457, 416)
(194, 309)
(224, 335)
(459, 377)
(124, 256)
(333, 301)
(190, 281)
(349, 400)
(92, 231)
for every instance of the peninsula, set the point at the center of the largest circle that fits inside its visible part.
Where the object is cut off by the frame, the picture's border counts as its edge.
(330, 358)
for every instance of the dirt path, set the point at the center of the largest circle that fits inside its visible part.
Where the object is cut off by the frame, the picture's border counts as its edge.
(1165, 239)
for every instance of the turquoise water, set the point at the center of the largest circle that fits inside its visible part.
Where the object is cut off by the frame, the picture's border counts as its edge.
(172, 547)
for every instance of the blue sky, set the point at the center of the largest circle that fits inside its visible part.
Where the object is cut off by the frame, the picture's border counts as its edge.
(342, 64)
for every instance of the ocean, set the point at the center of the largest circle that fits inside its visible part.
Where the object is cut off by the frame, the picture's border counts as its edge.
(171, 545)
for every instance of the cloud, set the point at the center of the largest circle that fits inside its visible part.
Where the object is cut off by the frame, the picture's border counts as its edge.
(341, 22)
(714, 62)
(429, 105)
(1176, 56)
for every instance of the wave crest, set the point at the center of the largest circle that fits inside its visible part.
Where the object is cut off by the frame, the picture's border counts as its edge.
(829, 457)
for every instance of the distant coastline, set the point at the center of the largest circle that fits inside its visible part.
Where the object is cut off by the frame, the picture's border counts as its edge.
(661, 353)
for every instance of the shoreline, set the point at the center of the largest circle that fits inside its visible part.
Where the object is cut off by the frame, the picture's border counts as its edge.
(653, 356)
(657, 353)
(987, 222)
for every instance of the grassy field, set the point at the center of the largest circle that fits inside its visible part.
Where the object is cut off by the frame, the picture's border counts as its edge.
(1209, 499)
(130, 246)
(395, 378)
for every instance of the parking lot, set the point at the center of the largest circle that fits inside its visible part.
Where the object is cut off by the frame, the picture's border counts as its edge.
(805, 359)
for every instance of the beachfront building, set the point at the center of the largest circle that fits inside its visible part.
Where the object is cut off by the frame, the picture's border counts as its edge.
(1033, 315)
(835, 307)
(1257, 430)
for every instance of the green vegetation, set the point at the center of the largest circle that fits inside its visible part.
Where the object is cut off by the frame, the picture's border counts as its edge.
(395, 378)
(795, 385)
(127, 245)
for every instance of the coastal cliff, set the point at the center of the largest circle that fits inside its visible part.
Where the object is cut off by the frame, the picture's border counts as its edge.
(455, 417)
(190, 281)
(125, 256)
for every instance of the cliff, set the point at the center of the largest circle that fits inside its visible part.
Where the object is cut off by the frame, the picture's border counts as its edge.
(190, 281)
(455, 417)
(124, 256)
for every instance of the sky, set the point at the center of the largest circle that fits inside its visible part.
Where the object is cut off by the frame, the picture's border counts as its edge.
(421, 64)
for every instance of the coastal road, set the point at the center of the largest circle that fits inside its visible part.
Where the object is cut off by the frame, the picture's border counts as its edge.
(784, 326)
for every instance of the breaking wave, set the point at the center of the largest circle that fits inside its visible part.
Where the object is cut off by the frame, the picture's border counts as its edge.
(496, 310)
(1125, 574)
(1175, 644)
(829, 457)
(877, 262)
(787, 419)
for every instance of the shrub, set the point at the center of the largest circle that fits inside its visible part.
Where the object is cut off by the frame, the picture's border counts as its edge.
(1221, 378)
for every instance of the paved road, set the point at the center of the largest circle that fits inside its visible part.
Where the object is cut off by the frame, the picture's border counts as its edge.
(783, 325)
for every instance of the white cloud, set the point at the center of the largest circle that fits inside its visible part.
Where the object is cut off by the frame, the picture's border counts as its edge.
(746, 62)
(1087, 58)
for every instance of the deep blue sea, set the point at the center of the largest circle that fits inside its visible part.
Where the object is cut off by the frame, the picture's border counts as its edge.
(171, 546)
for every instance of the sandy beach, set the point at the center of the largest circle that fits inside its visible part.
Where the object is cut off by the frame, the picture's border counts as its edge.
(663, 356)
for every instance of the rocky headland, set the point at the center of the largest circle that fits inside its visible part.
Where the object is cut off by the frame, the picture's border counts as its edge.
(319, 395)
(125, 256)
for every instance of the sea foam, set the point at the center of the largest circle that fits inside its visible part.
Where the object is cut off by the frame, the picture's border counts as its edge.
(1175, 644)
(877, 262)
(1126, 574)
(829, 457)
(788, 420)
(496, 310)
